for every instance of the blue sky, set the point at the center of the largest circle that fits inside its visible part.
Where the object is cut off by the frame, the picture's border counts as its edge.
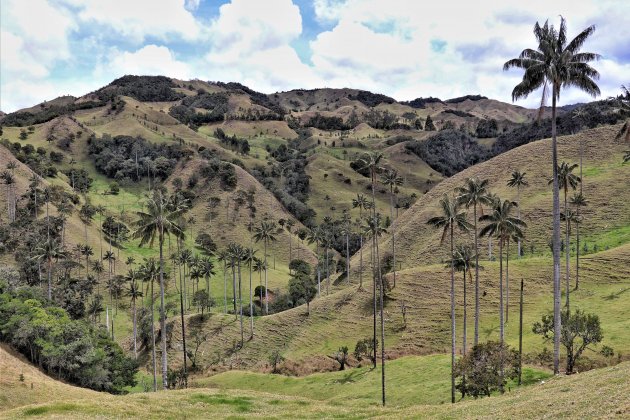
(403, 48)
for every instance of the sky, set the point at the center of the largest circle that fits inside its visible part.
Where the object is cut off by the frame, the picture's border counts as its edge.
(402, 48)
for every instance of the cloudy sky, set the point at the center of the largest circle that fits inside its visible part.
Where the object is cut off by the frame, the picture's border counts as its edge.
(403, 48)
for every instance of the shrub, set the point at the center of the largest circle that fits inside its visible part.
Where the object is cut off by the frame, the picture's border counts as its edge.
(486, 368)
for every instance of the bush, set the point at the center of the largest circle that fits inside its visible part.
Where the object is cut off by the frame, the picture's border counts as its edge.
(114, 188)
(486, 369)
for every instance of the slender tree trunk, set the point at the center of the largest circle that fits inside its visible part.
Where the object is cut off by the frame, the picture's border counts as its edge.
(266, 290)
(476, 339)
(557, 327)
(240, 300)
(567, 246)
(577, 250)
(153, 355)
(452, 319)
(465, 338)
(520, 338)
(234, 288)
(347, 257)
(391, 216)
(501, 317)
(50, 279)
(163, 314)
(251, 302)
(135, 330)
(181, 316)
(225, 285)
(319, 274)
(327, 272)
(518, 214)
(507, 281)
(381, 298)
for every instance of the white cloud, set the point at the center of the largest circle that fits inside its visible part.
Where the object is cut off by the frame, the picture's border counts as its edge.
(149, 60)
(251, 44)
(137, 19)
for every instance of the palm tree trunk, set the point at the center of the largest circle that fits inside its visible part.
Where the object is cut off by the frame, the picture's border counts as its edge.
(240, 300)
(266, 290)
(181, 315)
(225, 285)
(163, 314)
(518, 214)
(251, 302)
(135, 335)
(452, 319)
(234, 288)
(501, 320)
(381, 298)
(347, 257)
(391, 216)
(465, 338)
(50, 279)
(577, 250)
(507, 282)
(327, 273)
(567, 246)
(476, 339)
(153, 355)
(319, 274)
(556, 238)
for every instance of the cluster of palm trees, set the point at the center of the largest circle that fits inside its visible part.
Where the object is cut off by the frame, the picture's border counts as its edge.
(500, 222)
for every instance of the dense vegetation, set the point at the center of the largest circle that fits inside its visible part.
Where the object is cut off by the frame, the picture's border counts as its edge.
(420, 103)
(47, 113)
(370, 99)
(142, 88)
(449, 151)
(465, 98)
(125, 157)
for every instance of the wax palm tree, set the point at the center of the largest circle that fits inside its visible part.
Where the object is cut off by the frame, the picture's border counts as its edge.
(259, 267)
(373, 229)
(328, 238)
(185, 259)
(503, 226)
(361, 203)
(49, 250)
(239, 254)
(223, 257)
(450, 219)
(624, 102)
(372, 162)
(553, 65)
(87, 252)
(518, 181)
(265, 232)
(206, 269)
(578, 201)
(134, 292)
(97, 267)
(315, 236)
(250, 260)
(157, 222)
(110, 258)
(463, 260)
(9, 181)
(346, 230)
(65, 210)
(148, 272)
(86, 214)
(288, 225)
(567, 179)
(474, 193)
(391, 179)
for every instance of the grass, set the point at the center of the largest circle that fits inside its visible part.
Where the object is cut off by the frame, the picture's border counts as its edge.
(600, 393)
(412, 380)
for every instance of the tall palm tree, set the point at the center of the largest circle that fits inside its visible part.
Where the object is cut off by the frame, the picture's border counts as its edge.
(110, 258)
(134, 291)
(315, 236)
(158, 221)
(239, 254)
(9, 181)
(503, 226)
(265, 232)
(463, 261)
(250, 260)
(259, 267)
(223, 257)
(288, 225)
(578, 201)
(553, 65)
(328, 238)
(372, 162)
(474, 194)
(391, 179)
(518, 181)
(87, 252)
(65, 210)
(148, 272)
(97, 267)
(346, 230)
(206, 269)
(49, 250)
(450, 219)
(361, 203)
(566, 180)
(86, 214)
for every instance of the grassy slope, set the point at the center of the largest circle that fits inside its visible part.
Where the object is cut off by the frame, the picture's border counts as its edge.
(606, 218)
(595, 394)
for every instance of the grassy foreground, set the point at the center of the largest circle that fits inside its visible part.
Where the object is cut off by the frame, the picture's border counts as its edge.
(595, 394)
